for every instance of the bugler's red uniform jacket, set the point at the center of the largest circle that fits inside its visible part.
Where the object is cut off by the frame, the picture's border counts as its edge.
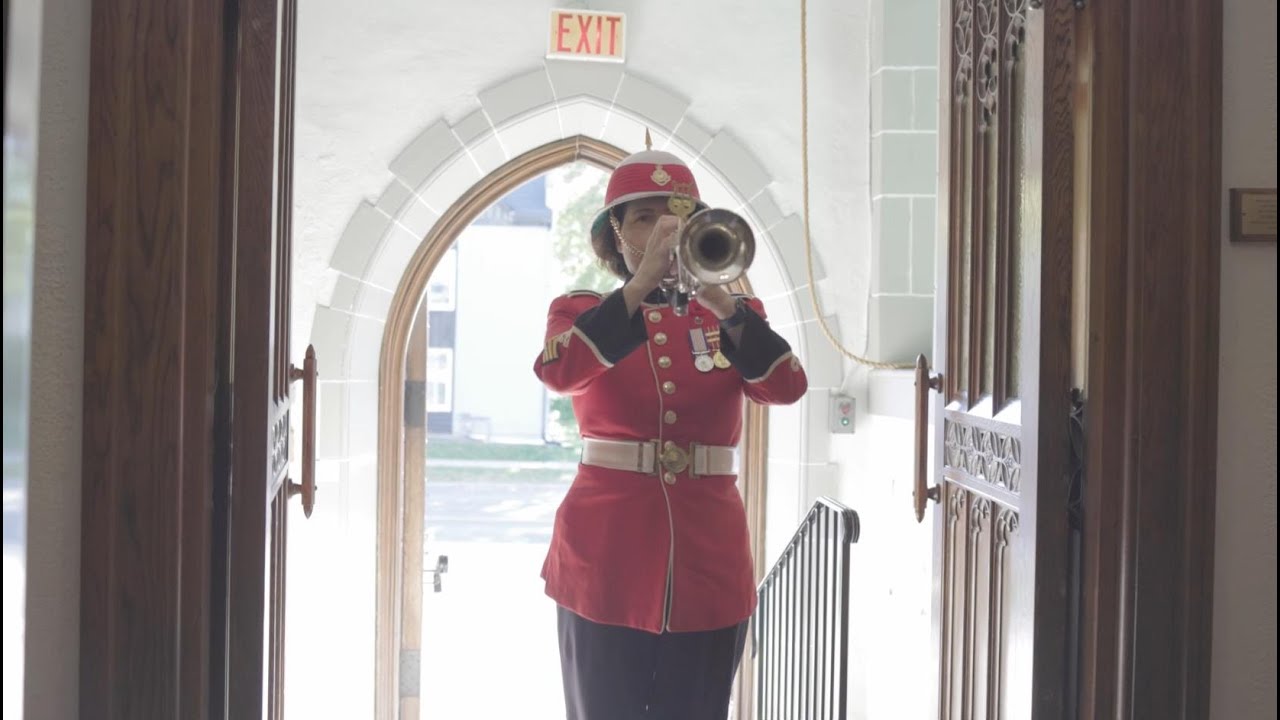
(631, 548)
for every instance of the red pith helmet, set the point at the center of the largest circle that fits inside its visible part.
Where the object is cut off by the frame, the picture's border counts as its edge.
(646, 174)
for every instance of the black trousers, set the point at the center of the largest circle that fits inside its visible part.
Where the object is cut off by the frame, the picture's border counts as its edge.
(619, 673)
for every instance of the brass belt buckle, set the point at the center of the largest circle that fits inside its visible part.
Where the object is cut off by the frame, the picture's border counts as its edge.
(674, 458)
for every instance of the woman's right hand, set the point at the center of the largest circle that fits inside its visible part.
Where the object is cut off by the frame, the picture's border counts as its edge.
(658, 257)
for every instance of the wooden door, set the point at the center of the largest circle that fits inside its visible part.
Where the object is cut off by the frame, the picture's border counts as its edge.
(1001, 398)
(262, 374)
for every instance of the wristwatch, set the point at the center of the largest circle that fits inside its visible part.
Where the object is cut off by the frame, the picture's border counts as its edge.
(738, 317)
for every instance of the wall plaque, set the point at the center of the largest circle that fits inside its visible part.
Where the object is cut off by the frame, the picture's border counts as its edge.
(1253, 214)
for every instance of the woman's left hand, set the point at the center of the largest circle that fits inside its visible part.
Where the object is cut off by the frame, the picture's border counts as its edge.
(716, 299)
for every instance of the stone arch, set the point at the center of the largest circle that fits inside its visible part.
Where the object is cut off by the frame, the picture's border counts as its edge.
(551, 103)
(384, 238)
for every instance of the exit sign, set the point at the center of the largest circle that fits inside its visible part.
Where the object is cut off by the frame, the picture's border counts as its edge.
(582, 35)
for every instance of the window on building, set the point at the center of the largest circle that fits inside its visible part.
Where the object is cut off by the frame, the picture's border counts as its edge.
(440, 379)
(442, 291)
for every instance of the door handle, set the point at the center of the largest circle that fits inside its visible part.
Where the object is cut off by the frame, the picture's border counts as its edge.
(924, 382)
(307, 374)
(442, 567)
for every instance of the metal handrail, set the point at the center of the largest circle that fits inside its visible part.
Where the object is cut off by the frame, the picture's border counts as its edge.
(802, 620)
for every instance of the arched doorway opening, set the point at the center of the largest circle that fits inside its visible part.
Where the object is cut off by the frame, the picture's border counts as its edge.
(401, 442)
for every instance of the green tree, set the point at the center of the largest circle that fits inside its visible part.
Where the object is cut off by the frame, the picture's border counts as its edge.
(571, 237)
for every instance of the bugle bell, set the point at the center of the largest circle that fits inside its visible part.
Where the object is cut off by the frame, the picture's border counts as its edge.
(714, 248)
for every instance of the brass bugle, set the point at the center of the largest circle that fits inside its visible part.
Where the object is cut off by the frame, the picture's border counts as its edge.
(714, 248)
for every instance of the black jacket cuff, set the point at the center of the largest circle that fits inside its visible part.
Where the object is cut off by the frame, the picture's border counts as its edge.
(761, 347)
(613, 333)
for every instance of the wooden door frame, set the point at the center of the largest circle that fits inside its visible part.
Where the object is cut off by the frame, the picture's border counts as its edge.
(261, 204)
(1153, 238)
(401, 504)
(392, 373)
(156, 359)
(172, 616)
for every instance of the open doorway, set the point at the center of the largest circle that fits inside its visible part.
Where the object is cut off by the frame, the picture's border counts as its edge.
(483, 454)
(500, 450)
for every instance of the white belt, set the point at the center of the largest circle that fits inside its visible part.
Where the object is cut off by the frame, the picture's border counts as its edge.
(644, 457)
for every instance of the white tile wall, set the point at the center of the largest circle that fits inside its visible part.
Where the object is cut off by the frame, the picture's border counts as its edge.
(892, 100)
(924, 107)
(924, 245)
(904, 150)
(901, 327)
(891, 245)
(904, 32)
(904, 163)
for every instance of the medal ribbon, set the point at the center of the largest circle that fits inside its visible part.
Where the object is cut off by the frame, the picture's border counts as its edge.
(699, 342)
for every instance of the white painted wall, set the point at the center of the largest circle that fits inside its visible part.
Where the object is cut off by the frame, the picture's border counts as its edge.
(1244, 593)
(502, 311)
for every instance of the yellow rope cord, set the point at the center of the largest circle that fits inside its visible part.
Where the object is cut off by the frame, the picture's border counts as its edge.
(808, 244)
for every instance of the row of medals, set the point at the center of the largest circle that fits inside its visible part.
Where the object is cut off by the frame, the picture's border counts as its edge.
(706, 359)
